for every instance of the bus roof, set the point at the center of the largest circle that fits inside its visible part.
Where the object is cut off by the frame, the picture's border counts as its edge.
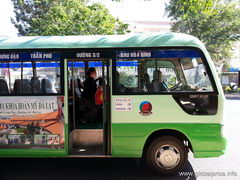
(100, 41)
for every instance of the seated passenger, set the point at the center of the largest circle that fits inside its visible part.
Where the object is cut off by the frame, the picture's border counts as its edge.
(147, 86)
(88, 96)
(157, 82)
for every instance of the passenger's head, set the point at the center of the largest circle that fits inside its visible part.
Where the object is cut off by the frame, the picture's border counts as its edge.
(157, 76)
(91, 72)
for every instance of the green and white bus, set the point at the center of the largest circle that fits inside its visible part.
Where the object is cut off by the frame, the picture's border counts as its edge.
(161, 98)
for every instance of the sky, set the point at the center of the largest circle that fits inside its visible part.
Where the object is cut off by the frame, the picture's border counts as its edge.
(125, 10)
(135, 10)
(6, 12)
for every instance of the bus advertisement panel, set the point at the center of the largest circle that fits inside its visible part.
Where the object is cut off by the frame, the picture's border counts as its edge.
(32, 122)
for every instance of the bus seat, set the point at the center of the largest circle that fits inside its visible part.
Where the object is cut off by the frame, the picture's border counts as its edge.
(25, 85)
(22, 86)
(36, 85)
(3, 87)
(47, 86)
(16, 86)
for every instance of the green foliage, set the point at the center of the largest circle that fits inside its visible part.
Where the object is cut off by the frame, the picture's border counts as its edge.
(64, 17)
(172, 81)
(215, 22)
(127, 79)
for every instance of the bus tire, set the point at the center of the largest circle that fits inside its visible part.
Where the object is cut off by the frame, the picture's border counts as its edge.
(166, 155)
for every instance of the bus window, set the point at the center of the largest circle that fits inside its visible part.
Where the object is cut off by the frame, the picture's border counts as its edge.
(49, 75)
(145, 76)
(169, 71)
(127, 76)
(30, 77)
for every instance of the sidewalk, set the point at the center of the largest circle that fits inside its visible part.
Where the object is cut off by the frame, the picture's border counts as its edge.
(233, 96)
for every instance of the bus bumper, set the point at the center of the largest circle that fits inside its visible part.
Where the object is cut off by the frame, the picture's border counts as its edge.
(214, 147)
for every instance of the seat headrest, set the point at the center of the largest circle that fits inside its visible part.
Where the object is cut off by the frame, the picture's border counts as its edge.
(36, 85)
(22, 86)
(3, 87)
(47, 86)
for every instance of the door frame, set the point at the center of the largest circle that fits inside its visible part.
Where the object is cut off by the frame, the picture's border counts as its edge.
(107, 89)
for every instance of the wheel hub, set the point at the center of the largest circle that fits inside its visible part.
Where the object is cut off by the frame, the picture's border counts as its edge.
(167, 157)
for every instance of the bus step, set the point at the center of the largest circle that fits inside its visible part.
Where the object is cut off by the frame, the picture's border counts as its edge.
(87, 137)
(87, 150)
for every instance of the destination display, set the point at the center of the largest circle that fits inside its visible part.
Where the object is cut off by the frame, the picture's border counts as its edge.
(85, 55)
(29, 56)
(175, 53)
(88, 55)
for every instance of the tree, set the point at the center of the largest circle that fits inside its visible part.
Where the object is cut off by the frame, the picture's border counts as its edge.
(215, 22)
(64, 17)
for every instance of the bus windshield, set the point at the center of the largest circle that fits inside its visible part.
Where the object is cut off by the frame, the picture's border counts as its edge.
(197, 75)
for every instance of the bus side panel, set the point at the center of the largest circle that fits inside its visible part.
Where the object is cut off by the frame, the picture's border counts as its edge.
(131, 125)
(129, 138)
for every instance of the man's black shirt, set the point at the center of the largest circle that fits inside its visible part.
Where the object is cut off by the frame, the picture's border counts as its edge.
(89, 90)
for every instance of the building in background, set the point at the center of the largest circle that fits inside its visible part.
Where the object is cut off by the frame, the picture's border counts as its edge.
(149, 26)
(143, 16)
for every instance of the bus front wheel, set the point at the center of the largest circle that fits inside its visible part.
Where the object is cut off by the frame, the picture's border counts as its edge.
(166, 155)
